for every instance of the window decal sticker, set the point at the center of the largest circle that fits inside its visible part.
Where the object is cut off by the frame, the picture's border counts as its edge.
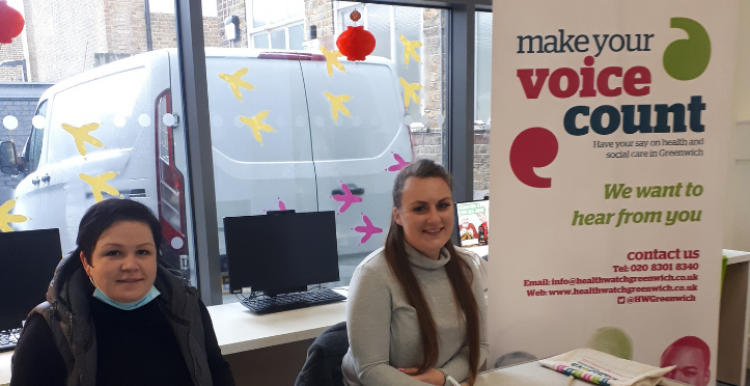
(82, 135)
(257, 125)
(337, 104)
(6, 218)
(99, 184)
(410, 91)
(410, 50)
(235, 82)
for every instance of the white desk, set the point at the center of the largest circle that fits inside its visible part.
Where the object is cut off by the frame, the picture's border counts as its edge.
(238, 329)
(530, 374)
(734, 319)
(5, 367)
(482, 250)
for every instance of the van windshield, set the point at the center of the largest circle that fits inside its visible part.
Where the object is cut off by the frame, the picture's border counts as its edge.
(108, 106)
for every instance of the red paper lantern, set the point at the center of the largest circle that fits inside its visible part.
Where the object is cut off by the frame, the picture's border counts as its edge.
(356, 43)
(11, 23)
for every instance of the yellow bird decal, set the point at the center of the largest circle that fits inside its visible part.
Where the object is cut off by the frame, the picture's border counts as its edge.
(99, 184)
(82, 135)
(257, 125)
(332, 59)
(337, 104)
(410, 49)
(410, 91)
(6, 218)
(235, 81)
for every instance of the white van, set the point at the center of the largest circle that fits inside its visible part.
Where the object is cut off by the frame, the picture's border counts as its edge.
(299, 163)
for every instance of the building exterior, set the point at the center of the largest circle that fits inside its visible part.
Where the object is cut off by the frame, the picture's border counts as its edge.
(64, 39)
(12, 59)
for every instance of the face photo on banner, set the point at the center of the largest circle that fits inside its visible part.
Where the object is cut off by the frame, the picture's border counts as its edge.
(611, 170)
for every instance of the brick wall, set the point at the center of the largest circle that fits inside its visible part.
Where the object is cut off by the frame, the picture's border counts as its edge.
(23, 110)
(481, 159)
(320, 14)
(213, 32)
(63, 37)
(428, 139)
(164, 31)
(8, 52)
(227, 8)
(429, 146)
(125, 25)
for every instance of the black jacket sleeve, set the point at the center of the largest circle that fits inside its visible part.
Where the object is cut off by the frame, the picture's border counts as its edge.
(220, 371)
(36, 361)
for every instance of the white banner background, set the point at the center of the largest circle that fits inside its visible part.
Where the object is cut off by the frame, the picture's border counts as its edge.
(533, 238)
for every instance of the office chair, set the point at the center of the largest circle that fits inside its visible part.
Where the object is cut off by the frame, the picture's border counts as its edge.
(323, 364)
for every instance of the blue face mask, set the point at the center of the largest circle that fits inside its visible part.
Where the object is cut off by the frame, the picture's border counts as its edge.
(151, 295)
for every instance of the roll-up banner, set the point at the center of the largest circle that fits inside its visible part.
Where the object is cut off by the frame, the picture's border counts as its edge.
(609, 151)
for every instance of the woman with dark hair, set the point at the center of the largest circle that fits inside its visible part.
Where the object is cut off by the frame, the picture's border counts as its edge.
(117, 315)
(416, 311)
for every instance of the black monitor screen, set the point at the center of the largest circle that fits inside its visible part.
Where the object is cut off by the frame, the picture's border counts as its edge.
(280, 251)
(27, 263)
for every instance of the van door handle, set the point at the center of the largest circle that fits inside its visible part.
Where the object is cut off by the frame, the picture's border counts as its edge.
(356, 191)
(46, 178)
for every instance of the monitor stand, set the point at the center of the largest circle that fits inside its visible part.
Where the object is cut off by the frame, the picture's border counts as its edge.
(280, 291)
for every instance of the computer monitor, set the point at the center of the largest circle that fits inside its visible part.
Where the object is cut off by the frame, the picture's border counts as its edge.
(281, 253)
(27, 263)
(473, 223)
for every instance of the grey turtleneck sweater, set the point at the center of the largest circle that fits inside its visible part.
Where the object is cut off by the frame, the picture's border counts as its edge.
(383, 328)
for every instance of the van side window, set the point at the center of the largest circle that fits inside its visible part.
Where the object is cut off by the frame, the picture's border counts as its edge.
(36, 140)
(98, 105)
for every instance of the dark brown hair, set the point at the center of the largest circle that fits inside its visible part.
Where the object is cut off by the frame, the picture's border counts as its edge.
(103, 215)
(457, 269)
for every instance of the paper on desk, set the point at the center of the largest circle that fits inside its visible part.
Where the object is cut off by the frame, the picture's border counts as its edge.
(606, 370)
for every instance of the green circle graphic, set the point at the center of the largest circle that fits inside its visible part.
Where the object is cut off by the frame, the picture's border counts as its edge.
(687, 59)
(612, 341)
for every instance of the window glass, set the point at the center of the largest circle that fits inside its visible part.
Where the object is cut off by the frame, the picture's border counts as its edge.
(379, 23)
(331, 122)
(278, 39)
(37, 137)
(260, 40)
(482, 104)
(92, 106)
(108, 126)
(268, 12)
(296, 37)
(344, 20)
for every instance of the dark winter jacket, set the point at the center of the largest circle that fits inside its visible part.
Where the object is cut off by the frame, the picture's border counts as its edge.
(323, 365)
(67, 312)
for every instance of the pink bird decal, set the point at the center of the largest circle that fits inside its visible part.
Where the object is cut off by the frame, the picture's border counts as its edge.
(400, 165)
(347, 198)
(368, 230)
(282, 206)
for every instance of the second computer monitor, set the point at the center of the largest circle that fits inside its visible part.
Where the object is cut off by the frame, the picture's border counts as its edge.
(281, 252)
(27, 264)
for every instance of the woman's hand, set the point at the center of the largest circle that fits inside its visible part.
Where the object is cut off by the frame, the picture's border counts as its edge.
(432, 376)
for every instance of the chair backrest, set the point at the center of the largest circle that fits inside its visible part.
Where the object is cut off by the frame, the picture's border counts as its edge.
(323, 364)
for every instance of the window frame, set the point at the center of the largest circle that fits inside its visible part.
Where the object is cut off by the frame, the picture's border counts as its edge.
(29, 154)
(283, 24)
(458, 130)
